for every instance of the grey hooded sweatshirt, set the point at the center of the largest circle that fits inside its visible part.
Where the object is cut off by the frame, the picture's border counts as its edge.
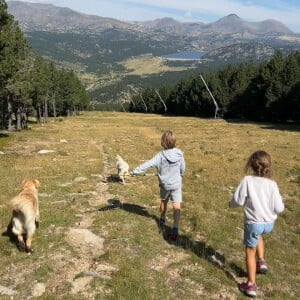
(170, 165)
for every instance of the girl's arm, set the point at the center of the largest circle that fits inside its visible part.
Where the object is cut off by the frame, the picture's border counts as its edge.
(240, 195)
(277, 200)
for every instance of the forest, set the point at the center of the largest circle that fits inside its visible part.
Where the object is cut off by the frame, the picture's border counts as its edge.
(28, 85)
(269, 92)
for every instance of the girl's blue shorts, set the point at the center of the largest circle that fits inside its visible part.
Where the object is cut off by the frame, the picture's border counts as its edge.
(253, 231)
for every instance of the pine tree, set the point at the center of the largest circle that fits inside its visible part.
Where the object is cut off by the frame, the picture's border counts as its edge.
(13, 50)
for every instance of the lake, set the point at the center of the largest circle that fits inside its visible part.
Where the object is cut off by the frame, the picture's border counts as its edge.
(185, 55)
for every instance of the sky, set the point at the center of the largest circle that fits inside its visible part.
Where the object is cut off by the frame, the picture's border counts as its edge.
(206, 11)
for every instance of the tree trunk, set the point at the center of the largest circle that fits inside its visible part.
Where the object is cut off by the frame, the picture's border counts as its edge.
(19, 127)
(10, 112)
(38, 114)
(45, 114)
(24, 118)
(54, 106)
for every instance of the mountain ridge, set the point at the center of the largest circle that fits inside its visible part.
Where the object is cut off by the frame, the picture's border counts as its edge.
(32, 16)
(46, 14)
(228, 24)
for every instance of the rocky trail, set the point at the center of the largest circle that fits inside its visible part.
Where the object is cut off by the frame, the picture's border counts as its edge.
(77, 265)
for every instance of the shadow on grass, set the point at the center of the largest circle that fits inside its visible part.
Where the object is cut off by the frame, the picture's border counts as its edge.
(3, 135)
(113, 178)
(200, 248)
(207, 252)
(115, 203)
(12, 237)
(292, 126)
(282, 127)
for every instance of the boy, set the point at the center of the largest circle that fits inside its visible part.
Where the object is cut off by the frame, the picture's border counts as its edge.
(170, 165)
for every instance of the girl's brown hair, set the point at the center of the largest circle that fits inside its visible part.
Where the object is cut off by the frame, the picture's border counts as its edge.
(168, 140)
(260, 163)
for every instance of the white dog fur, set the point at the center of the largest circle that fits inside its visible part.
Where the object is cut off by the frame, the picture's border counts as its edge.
(122, 168)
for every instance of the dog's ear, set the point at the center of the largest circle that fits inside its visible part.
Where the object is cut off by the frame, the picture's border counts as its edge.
(24, 181)
(36, 183)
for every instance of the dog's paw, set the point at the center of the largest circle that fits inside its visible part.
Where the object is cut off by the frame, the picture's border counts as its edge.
(21, 246)
(37, 224)
(28, 249)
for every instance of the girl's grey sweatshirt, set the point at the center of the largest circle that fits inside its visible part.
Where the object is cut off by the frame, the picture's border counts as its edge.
(170, 165)
(260, 198)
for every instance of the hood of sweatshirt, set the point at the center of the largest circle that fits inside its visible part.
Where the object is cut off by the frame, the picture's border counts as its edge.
(172, 155)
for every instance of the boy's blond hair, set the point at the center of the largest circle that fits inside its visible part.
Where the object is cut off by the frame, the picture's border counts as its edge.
(168, 140)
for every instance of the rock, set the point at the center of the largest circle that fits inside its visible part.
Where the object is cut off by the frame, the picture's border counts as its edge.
(80, 179)
(84, 241)
(7, 291)
(38, 290)
(45, 151)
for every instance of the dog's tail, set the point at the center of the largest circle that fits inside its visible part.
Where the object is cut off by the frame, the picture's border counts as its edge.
(16, 204)
(22, 207)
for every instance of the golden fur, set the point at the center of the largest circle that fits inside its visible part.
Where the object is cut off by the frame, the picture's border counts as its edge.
(25, 213)
(122, 168)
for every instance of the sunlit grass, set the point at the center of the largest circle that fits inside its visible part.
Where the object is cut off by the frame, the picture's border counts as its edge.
(148, 64)
(148, 266)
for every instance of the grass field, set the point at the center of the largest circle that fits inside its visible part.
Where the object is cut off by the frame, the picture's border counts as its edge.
(98, 239)
(148, 64)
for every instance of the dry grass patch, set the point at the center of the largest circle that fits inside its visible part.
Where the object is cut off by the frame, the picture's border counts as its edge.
(148, 64)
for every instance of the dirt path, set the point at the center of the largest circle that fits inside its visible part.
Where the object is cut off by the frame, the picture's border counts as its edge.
(79, 268)
(75, 265)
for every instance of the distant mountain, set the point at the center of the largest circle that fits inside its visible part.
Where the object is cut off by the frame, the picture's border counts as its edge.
(35, 16)
(241, 52)
(170, 25)
(98, 48)
(234, 24)
(229, 24)
(47, 17)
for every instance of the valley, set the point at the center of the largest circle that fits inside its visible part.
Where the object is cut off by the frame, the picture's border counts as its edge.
(113, 58)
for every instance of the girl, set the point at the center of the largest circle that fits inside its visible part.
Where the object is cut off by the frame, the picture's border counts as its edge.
(259, 195)
(170, 165)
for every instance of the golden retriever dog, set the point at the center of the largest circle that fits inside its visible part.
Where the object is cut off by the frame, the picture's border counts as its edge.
(25, 213)
(122, 168)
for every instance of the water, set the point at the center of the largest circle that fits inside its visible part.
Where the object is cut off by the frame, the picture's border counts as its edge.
(185, 55)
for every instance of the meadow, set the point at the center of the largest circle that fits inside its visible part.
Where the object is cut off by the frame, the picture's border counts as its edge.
(147, 64)
(98, 239)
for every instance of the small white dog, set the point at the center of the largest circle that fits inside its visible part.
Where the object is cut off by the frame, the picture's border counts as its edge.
(25, 213)
(122, 168)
